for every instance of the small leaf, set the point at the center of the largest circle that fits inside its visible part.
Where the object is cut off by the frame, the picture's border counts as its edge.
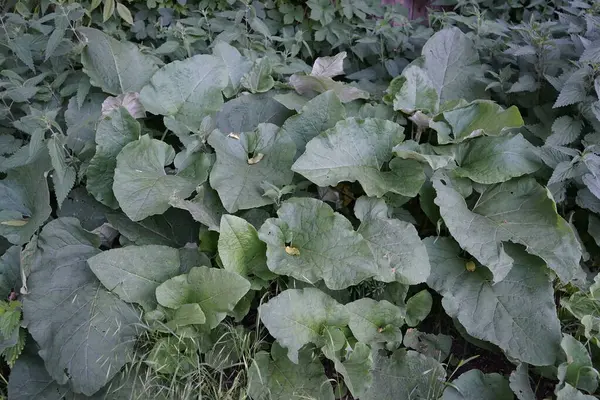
(216, 291)
(329, 66)
(520, 383)
(108, 10)
(418, 307)
(124, 13)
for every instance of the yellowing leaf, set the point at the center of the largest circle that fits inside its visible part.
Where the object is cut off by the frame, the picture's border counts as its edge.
(292, 251)
(15, 222)
(256, 159)
(470, 266)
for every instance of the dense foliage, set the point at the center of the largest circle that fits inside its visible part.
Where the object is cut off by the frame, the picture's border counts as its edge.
(300, 200)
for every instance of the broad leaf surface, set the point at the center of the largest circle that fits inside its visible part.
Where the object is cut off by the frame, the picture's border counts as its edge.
(85, 333)
(517, 314)
(326, 246)
(374, 322)
(245, 161)
(356, 150)
(245, 113)
(115, 67)
(216, 291)
(186, 91)
(141, 185)
(297, 317)
(491, 160)
(479, 118)
(396, 246)
(24, 201)
(241, 250)
(316, 116)
(519, 211)
(30, 380)
(115, 130)
(416, 92)
(133, 273)
(452, 64)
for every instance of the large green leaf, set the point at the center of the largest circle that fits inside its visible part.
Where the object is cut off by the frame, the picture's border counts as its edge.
(216, 291)
(114, 131)
(520, 211)
(134, 272)
(115, 67)
(237, 66)
(475, 385)
(517, 314)
(481, 117)
(297, 317)
(396, 246)
(186, 91)
(245, 113)
(375, 322)
(452, 64)
(496, 159)
(24, 201)
(405, 375)
(318, 115)
(247, 160)
(85, 333)
(274, 377)
(29, 380)
(141, 185)
(310, 242)
(241, 250)
(356, 150)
